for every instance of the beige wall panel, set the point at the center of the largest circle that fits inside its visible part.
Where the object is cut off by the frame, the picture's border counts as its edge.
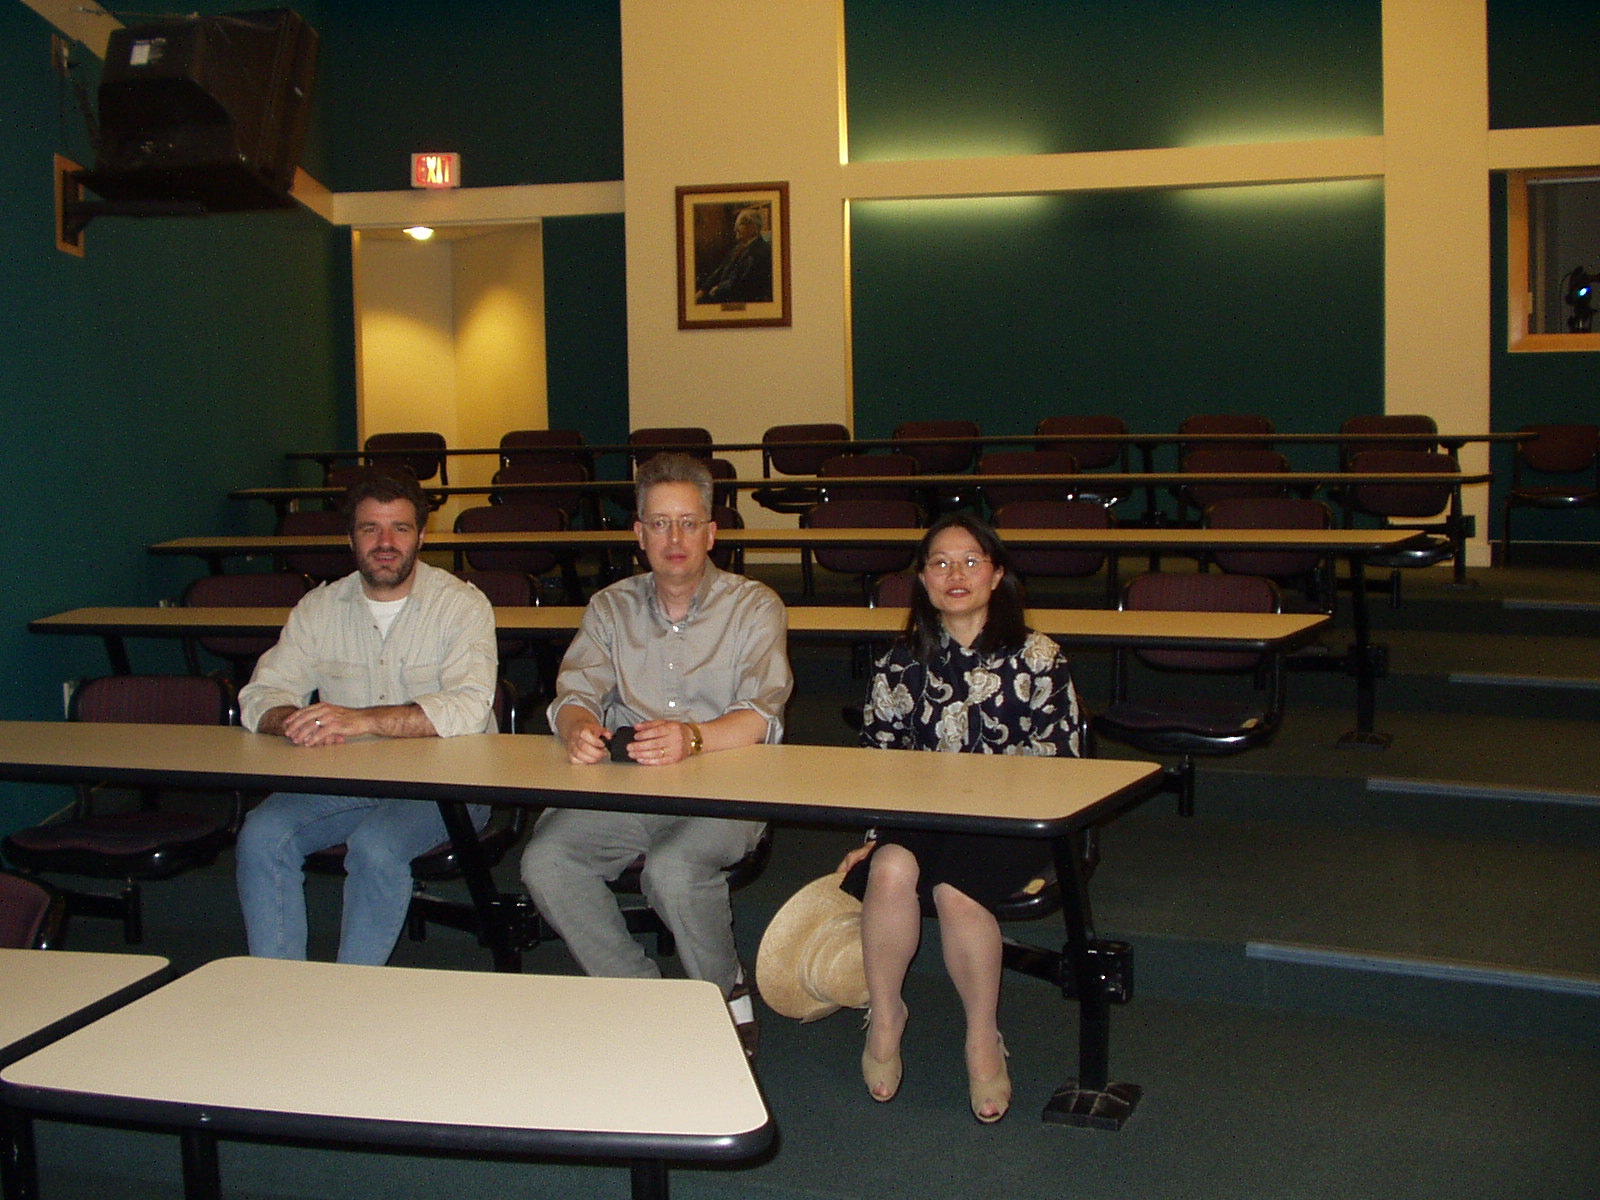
(717, 92)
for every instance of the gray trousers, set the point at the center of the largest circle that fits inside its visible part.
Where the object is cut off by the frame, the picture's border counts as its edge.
(575, 852)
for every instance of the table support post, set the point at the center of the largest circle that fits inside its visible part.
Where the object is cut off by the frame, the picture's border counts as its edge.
(202, 1177)
(486, 899)
(1091, 1099)
(19, 1170)
(1363, 735)
(649, 1179)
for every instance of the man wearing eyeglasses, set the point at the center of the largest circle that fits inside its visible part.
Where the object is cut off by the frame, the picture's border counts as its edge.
(693, 659)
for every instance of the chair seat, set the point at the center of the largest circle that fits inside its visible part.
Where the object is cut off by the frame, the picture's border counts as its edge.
(1199, 726)
(1426, 553)
(135, 845)
(1553, 496)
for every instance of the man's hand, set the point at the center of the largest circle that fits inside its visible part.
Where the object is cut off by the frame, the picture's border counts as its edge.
(322, 724)
(659, 743)
(583, 736)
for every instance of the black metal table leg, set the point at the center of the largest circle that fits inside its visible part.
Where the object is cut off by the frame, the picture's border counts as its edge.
(19, 1169)
(1094, 972)
(490, 905)
(202, 1177)
(1365, 666)
(649, 1179)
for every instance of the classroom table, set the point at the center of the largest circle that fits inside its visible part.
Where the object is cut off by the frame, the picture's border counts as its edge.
(1080, 627)
(1146, 443)
(1005, 795)
(45, 995)
(331, 1053)
(1355, 545)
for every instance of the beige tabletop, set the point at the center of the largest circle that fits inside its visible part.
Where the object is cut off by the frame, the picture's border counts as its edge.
(1070, 625)
(40, 989)
(1009, 794)
(1122, 538)
(543, 1052)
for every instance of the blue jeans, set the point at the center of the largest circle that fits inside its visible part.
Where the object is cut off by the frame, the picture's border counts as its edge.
(381, 836)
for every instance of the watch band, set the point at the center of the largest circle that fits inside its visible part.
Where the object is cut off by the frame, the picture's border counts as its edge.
(696, 741)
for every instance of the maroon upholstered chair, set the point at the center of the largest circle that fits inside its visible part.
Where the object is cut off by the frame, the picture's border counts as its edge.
(1039, 563)
(1310, 571)
(1163, 716)
(1568, 458)
(780, 455)
(422, 453)
(31, 913)
(253, 589)
(141, 844)
(1025, 462)
(322, 565)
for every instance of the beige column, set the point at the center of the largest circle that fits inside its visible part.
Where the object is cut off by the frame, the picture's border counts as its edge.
(1436, 223)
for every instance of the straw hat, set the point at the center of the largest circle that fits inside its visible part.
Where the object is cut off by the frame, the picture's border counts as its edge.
(809, 963)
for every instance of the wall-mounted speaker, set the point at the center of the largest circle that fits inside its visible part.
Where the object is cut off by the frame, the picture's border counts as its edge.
(205, 110)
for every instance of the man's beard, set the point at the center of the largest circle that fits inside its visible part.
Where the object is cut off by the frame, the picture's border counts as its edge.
(401, 571)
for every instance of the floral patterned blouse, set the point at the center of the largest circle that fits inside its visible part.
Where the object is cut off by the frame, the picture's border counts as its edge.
(1019, 703)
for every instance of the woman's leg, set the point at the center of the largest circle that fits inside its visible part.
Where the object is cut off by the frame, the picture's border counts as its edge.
(891, 928)
(972, 955)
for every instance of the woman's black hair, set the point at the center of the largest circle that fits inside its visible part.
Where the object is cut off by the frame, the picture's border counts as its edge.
(1005, 628)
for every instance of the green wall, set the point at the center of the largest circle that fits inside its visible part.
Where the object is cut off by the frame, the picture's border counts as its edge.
(527, 92)
(1155, 305)
(179, 358)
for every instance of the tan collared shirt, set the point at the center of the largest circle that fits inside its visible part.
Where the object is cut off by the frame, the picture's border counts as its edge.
(439, 654)
(629, 662)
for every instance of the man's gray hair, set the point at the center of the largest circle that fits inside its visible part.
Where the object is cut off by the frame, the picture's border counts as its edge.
(672, 468)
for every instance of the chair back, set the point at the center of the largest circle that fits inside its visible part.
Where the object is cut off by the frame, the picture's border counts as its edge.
(1268, 512)
(684, 439)
(1557, 449)
(250, 589)
(1403, 500)
(1091, 456)
(523, 517)
(894, 591)
(1243, 424)
(506, 589)
(154, 700)
(527, 447)
(778, 454)
(321, 565)
(426, 458)
(869, 562)
(1025, 462)
(725, 554)
(934, 458)
(1054, 514)
(847, 466)
(542, 472)
(1238, 460)
(1184, 591)
(1376, 423)
(31, 912)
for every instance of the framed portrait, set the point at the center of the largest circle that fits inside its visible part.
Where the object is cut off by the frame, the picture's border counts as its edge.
(733, 256)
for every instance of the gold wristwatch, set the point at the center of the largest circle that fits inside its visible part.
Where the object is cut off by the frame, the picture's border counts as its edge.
(696, 742)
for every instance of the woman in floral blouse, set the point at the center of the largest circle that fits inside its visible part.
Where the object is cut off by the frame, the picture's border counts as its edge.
(967, 676)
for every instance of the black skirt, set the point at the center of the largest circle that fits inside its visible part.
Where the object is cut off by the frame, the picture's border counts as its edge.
(988, 869)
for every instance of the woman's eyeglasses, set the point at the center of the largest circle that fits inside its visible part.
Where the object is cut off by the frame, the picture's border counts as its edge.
(943, 566)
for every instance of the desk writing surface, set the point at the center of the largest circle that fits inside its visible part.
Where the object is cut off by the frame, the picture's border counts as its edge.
(1003, 794)
(43, 988)
(520, 1052)
(1083, 626)
(1123, 538)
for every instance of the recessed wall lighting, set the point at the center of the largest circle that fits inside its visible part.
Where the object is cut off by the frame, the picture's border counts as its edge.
(421, 232)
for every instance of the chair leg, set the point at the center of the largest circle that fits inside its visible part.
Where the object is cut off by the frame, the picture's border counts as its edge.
(1183, 775)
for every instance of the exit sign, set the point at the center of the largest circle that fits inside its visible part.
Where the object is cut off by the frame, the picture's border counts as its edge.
(436, 170)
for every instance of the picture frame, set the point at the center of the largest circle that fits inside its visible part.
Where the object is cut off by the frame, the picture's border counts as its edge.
(733, 256)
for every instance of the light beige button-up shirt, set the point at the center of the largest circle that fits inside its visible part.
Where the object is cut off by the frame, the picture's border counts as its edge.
(439, 654)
